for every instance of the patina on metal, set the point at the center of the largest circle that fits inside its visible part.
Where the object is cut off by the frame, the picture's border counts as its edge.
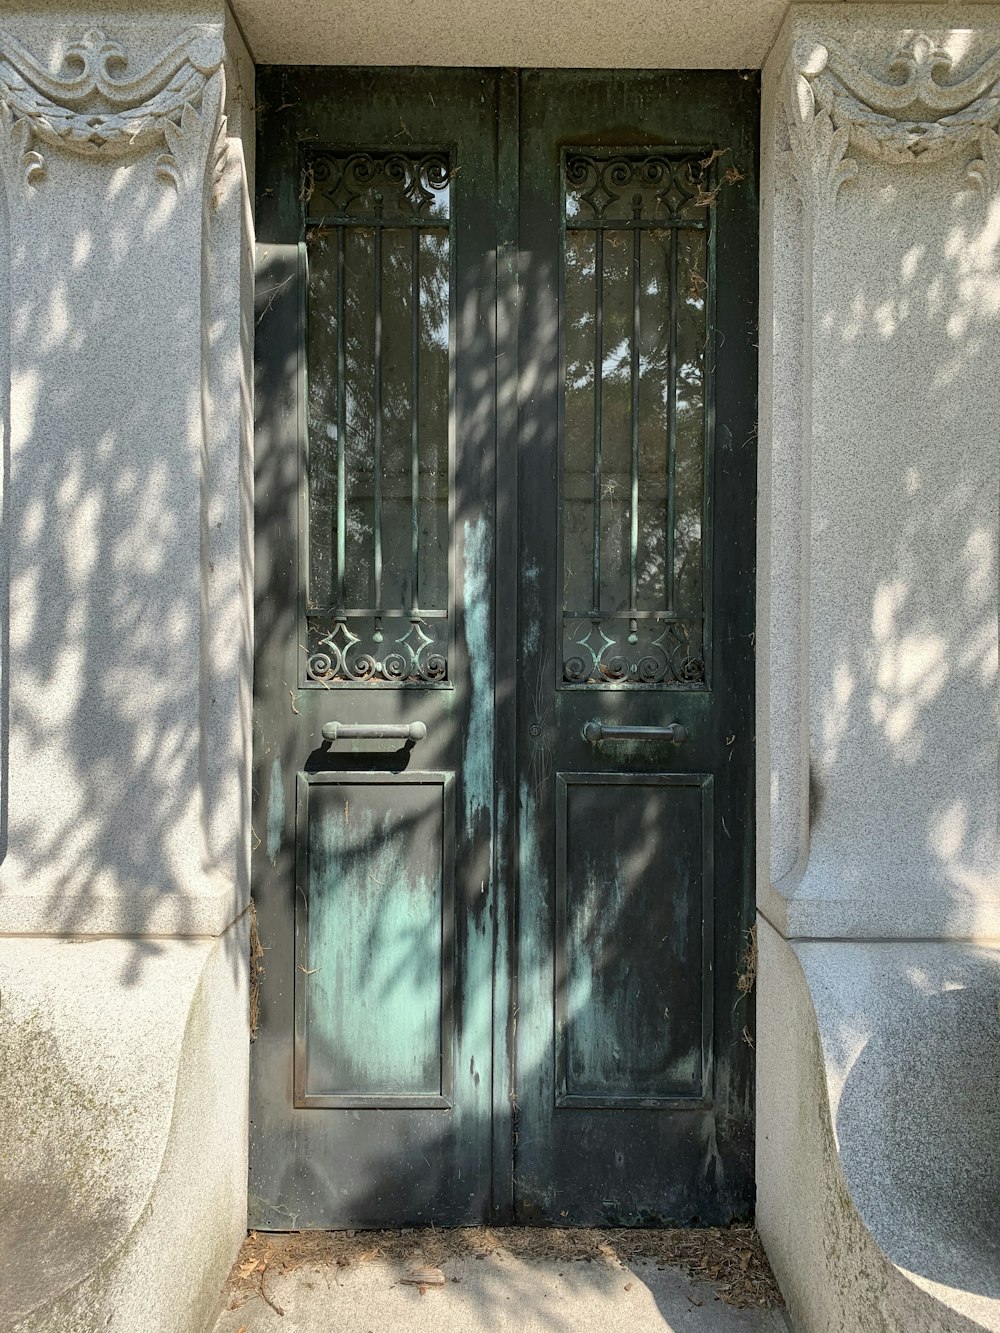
(595, 732)
(637, 327)
(504, 671)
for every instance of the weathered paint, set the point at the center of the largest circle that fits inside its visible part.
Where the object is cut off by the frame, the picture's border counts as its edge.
(372, 970)
(476, 1031)
(632, 950)
(532, 1028)
(477, 761)
(275, 811)
(363, 1164)
(617, 937)
(390, 1152)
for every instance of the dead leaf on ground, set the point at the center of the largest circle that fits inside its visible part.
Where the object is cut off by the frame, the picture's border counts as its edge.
(424, 1277)
(732, 1258)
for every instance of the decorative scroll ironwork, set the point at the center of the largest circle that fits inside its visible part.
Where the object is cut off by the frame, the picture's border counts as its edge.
(632, 656)
(607, 189)
(401, 187)
(412, 659)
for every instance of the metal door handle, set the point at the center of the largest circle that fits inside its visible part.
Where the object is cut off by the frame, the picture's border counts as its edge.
(594, 732)
(374, 731)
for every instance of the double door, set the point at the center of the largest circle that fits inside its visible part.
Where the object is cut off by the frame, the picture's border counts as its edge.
(504, 654)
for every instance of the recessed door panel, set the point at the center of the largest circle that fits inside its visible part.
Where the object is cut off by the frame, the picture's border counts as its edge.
(635, 664)
(375, 936)
(634, 942)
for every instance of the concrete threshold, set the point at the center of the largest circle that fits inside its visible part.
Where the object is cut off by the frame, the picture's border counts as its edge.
(518, 1280)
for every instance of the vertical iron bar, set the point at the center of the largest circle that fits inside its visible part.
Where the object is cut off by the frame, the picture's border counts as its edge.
(672, 426)
(414, 418)
(709, 358)
(304, 417)
(633, 542)
(598, 407)
(377, 450)
(341, 597)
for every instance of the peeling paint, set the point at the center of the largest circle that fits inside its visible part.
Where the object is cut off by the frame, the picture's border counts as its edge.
(374, 949)
(479, 740)
(477, 779)
(532, 638)
(275, 811)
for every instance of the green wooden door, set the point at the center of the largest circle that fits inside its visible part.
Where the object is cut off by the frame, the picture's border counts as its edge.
(504, 489)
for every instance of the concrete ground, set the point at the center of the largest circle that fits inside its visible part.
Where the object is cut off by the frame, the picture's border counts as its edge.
(493, 1292)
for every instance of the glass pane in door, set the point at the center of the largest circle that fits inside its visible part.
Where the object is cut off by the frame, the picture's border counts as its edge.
(637, 301)
(379, 328)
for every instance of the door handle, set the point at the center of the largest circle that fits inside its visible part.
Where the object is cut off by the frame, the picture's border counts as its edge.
(374, 731)
(594, 732)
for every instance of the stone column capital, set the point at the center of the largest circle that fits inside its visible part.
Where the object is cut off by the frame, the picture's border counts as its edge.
(97, 105)
(922, 106)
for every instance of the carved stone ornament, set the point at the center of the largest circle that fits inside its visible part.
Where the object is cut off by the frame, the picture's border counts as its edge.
(94, 107)
(836, 108)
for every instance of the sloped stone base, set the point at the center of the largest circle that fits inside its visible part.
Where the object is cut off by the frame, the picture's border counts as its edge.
(123, 1131)
(877, 1136)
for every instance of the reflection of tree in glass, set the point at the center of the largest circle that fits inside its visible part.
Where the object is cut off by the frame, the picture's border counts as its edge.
(358, 408)
(616, 418)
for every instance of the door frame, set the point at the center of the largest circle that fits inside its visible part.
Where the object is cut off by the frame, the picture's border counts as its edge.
(505, 819)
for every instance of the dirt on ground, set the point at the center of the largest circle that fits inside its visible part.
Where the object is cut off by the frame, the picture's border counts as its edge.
(731, 1258)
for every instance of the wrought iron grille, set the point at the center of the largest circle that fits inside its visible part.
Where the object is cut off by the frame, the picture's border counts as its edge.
(378, 326)
(637, 310)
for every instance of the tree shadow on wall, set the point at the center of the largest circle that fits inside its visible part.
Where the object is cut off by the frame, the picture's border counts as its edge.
(904, 682)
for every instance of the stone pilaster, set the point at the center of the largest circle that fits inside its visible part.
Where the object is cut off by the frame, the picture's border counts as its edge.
(879, 934)
(126, 671)
(125, 580)
(880, 330)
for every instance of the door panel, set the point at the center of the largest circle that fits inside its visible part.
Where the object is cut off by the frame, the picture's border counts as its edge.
(633, 939)
(636, 465)
(376, 437)
(375, 930)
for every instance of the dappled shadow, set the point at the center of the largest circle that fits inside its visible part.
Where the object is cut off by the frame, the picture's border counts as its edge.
(125, 671)
(126, 646)
(369, 1165)
(904, 571)
(917, 1119)
(897, 594)
(487, 1277)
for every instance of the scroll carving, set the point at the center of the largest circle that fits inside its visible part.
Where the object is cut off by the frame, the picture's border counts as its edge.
(837, 112)
(94, 107)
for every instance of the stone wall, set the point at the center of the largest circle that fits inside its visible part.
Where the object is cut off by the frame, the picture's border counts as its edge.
(126, 581)
(877, 660)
